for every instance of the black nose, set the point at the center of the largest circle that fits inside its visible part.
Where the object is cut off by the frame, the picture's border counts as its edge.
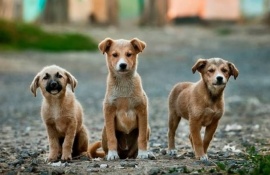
(53, 84)
(219, 78)
(123, 66)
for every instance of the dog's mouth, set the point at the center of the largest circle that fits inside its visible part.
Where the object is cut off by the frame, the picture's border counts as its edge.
(219, 84)
(123, 71)
(54, 92)
(53, 87)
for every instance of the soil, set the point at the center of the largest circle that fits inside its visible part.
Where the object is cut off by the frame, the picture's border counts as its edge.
(167, 59)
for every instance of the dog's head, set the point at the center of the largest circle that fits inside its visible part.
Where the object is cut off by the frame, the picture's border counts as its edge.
(52, 80)
(215, 71)
(121, 54)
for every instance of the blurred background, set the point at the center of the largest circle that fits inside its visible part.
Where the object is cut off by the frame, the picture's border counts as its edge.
(142, 12)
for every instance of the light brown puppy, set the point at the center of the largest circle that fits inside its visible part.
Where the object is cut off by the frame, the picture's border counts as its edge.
(62, 114)
(126, 130)
(202, 103)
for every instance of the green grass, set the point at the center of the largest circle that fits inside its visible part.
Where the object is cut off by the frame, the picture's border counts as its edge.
(255, 163)
(19, 36)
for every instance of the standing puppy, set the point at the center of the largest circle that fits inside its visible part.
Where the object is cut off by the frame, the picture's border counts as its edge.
(202, 103)
(62, 114)
(126, 130)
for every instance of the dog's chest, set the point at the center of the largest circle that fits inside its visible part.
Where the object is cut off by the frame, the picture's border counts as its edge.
(56, 118)
(126, 119)
(211, 114)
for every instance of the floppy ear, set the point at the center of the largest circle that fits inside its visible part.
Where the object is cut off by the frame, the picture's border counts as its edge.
(138, 44)
(233, 70)
(71, 80)
(199, 65)
(34, 85)
(105, 45)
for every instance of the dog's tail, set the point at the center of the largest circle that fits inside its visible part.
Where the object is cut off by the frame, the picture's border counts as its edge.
(92, 150)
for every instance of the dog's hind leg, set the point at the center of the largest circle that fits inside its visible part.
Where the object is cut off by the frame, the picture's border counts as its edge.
(173, 124)
(80, 144)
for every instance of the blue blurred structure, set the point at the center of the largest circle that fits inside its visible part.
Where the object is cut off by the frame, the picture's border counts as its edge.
(252, 8)
(32, 9)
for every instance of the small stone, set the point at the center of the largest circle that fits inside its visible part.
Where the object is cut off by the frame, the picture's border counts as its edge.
(163, 152)
(3, 165)
(154, 171)
(103, 165)
(128, 164)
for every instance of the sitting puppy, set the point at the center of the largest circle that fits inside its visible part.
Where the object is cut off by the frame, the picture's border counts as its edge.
(126, 130)
(62, 114)
(202, 103)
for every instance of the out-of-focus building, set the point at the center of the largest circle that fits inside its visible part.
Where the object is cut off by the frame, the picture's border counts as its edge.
(111, 11)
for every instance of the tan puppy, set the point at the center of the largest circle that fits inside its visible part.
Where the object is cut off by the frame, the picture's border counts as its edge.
(126, 130)
(62, 114)
(202, 103)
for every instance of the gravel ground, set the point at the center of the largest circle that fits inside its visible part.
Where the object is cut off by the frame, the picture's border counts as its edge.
(168, 58)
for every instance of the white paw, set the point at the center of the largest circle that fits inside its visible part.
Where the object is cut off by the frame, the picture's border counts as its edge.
(112, 155)
(142, 154)
(204, 158)
(172, 152)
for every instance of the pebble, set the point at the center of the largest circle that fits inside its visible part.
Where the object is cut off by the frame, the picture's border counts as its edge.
(104, 166)
(128, 164)
(154, 171)
(163, 152)
(3, 165)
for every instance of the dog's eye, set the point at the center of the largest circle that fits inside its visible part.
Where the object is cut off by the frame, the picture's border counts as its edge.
(211, 70)
(47, 76)
(129, 54)
(58, 75)
(224, 70)
(115, 55)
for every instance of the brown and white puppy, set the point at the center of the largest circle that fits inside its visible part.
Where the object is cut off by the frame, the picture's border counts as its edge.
(62, 114)
(126, 130)
(202, 103)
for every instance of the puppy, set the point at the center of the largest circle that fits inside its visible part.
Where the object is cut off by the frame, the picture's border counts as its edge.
(62, 114)
(125, 107)
(202, 103)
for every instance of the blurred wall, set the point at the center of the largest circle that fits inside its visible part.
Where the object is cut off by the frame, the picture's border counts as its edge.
(79, 11)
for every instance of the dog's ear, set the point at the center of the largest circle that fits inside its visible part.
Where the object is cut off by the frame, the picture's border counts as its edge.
(34, 85)
(233, 70)
(199, 65)
(138, 44)
(105, 45)
(71, 80)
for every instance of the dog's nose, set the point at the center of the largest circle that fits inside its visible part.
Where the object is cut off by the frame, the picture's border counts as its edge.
(219, 78)
(53, 84)
(123, 66)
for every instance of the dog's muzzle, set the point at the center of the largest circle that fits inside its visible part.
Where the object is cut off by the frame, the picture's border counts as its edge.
(53, 87)
(219, 81)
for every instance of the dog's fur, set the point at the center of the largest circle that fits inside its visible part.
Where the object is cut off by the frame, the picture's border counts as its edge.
(202, 103)
(126, 130)
(62, 114)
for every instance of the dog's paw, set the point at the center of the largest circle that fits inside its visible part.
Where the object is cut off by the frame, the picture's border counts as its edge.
(204, 158)
(142, 154)
(172, 152)
(66, 157)
(52, 158)
(112, 155)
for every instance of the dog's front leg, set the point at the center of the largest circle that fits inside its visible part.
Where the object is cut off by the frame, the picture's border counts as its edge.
(196, 140)
(110, 113)
(68, 142)
(209, 132)
(143, 132)
(54, 145)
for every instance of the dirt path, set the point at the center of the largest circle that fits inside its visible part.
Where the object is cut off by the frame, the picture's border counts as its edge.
(168, 59)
